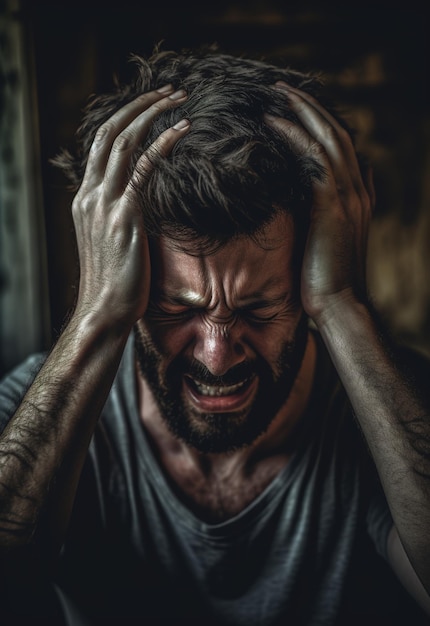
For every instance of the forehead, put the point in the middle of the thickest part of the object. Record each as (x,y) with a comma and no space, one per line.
(242,266)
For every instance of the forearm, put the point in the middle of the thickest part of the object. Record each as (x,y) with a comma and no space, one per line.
(395,423)
(44,445)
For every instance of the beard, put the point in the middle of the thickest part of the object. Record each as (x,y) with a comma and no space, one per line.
(220,432)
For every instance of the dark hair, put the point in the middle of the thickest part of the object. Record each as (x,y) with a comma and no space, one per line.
(231,173)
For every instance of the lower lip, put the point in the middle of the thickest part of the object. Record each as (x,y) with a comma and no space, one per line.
(222,404)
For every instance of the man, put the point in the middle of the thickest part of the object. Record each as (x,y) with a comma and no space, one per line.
(187,451)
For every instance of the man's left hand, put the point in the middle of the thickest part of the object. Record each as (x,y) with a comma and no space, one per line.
(334,264)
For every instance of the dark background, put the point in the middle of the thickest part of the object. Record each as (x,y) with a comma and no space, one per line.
(376,66)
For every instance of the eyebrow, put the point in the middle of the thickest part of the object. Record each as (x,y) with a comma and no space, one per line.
(258,302)
(184,297)
(260,298)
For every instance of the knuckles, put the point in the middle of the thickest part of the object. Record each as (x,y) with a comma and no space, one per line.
(328,134)
(124,141)
(83,204)
(102,133)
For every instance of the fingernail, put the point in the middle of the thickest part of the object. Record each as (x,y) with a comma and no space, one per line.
(178,94)
(281,85)
(165,89)
(181,124)
(270,120)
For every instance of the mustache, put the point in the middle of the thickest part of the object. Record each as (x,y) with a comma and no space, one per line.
(199,372)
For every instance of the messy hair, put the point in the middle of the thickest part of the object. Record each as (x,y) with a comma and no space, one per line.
(232,173)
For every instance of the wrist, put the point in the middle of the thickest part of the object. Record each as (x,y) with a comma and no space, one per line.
(338,309)
(88,335)
(92,321)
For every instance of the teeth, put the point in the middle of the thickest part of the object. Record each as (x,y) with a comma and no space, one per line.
(209,390)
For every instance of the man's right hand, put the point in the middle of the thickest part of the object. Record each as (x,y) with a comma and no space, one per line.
(43,447)
(112,244)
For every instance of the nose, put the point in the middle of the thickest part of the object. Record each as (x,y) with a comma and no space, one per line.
(218,347)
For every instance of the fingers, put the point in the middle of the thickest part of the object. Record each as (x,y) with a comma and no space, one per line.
(118,138)
(162,146)
(314,124)
(322,137)
(335,255)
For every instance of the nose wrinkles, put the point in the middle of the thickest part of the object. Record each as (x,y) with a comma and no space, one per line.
(218,346)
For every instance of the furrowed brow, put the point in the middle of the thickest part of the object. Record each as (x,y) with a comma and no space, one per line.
(183,297)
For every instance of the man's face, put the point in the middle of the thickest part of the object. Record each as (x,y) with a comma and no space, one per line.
(223,337)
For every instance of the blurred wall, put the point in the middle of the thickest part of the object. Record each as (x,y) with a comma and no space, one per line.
(24,304)
(376,66)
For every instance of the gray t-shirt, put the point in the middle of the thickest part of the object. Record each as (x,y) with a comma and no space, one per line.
(310,550)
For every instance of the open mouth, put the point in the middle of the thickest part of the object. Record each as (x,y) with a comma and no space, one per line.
(220,398)
(209,390)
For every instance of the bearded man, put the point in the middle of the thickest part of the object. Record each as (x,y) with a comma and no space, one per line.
(222,434)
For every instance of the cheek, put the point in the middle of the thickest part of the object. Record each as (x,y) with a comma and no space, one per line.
(269,339)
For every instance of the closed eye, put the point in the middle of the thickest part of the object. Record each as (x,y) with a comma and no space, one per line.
(175,313)
(260,314)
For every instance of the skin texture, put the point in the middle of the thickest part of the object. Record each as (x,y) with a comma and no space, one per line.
(396,425)
(232,317)
(44,445)
(42,449)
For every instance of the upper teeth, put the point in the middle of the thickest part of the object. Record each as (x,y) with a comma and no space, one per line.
(209,390)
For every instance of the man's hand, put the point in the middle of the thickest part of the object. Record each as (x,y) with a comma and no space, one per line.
(44,445)
(335,257)
(394,421)
(112,244)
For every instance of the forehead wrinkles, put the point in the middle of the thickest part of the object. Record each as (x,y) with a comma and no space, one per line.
(238,269)
(237,278)
(206,283)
